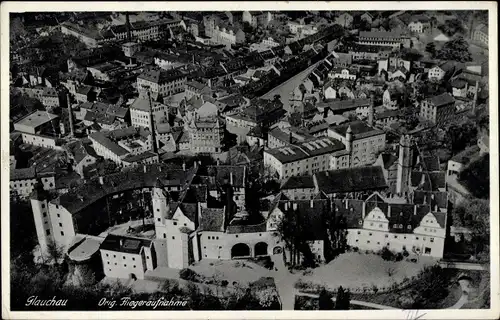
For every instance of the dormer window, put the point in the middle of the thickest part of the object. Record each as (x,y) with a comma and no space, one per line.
(409,226)
(395,226)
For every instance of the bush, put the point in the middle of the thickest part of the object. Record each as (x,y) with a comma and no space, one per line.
(387,254)
(399,256)
(405,253)
(224,283)
(355,249)
(188,274)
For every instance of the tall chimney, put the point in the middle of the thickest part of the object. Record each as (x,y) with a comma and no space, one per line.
(370,112)
(129,34)
(152,125)
(231,178)
(70,116)
(476,89)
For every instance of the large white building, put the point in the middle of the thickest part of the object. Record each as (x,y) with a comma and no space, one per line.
(140,113)
(161,83)
(307,157)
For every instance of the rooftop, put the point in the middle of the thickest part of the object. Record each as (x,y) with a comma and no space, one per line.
(351,180)
(124,244)
(307,149)
(442,100)
(37,119)
(360,130)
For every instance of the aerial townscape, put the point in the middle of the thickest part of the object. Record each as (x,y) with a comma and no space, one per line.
(249,160)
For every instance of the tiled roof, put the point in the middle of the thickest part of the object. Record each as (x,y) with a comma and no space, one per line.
(389,159)
(307,149)
(351,180)
(431,198)
(132,178)
(102,139)
(360,130)
(222,174)
(344,105)
(125,244)
(298,182)
(212,219)
(160,76)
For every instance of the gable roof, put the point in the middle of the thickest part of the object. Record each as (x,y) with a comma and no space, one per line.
(351,180)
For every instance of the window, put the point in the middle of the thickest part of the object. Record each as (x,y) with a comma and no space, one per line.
(58,215)
(43,205)
(133,266)
(409,226)
(114,256)
(175,223)
(125,265)
(47,232)
(380,225)
(62,233)
(116,264)
(60,224)
(173,237)
(359,232)
(164,236)
(368,241)
(107,255)
(124,257)
(371,224)
(108,262)
(370,234)
(416,238)
(395,236)
(45,214)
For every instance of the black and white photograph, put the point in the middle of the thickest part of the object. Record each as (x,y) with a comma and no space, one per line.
(277,160)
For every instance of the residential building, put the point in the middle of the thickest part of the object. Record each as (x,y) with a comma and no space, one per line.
(361,140)
(23,181)
(419,24)
(343,73)
(38,122)
(206,134)
(195,88)
(127,257)
(377,223)
(307,157)
(140,113)
(380,38)
(481,34)
(161,83)
(438,109)
(257,18)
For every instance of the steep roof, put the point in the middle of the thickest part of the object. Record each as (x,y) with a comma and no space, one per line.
(212,219)
(360,130)
(442,99)
(298,182)
(351,180)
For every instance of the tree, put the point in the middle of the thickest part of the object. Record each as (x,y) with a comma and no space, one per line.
(431,48)
(461,137)
(456,49)
(410,54)
(476,177)
(325,300)
(452,27)
(55,252)
(342,301)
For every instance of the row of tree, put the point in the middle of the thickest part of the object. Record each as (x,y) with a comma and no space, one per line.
(342,300)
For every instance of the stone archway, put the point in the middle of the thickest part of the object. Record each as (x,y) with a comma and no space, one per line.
(277,250)
(261,249)
(240,250)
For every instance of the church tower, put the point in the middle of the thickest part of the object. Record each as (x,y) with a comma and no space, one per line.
(160,200)
(404,165)
(39,199)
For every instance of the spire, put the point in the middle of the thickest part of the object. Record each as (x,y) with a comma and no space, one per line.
(158,183)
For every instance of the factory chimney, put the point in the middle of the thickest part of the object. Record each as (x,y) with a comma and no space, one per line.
(152,125)
(476,89)
(129,35)
(70,116)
